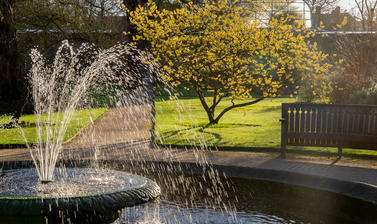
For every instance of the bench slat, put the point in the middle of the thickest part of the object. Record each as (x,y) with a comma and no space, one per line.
(329,125)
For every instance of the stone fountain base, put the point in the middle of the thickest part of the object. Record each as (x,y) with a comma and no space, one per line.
(75,196)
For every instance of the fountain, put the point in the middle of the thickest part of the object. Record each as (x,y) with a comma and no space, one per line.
(73,195)
(195,191)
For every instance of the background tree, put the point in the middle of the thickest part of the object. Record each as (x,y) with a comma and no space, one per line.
(367,13)
(12,88)
(47,23)
(25,24)
(316,7)
(358,52)
(336,20)
(288,13)
(219,49)
(131,5)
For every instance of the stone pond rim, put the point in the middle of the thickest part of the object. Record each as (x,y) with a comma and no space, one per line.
(92,208)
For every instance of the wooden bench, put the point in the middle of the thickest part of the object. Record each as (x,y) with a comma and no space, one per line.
(328,125)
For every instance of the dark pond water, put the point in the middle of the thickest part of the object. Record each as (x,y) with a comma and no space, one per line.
(199,199)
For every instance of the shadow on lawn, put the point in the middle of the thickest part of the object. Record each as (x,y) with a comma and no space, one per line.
(221,125)
(202,129)
(215,135)
(169,134)
(24,124)
(268,109)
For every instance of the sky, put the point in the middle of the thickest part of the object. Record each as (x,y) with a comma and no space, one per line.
(347,5)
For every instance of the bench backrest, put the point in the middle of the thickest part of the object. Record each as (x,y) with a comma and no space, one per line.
(351,126)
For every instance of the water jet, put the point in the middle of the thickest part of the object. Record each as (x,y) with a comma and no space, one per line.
(73,195)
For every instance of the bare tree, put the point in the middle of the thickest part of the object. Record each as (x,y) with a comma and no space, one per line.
(319,6)
(359,54)
(367,12)
(359,68)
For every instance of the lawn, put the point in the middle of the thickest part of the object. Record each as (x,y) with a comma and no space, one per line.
(80,119)
(182,123)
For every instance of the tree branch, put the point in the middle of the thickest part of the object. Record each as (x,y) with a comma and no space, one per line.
(235,106)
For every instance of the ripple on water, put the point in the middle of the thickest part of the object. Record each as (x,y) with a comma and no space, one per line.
(69,182)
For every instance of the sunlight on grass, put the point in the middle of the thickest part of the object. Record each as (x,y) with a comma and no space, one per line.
(80,119)
(179,122)
(183,123)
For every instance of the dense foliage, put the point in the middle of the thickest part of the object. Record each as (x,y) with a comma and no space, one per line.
(229,50)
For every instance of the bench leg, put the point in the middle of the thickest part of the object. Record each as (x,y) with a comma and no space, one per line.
(339,152)
(339,156)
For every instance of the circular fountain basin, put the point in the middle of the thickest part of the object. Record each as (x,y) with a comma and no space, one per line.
(76,195)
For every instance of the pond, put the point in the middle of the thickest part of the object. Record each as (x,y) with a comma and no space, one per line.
(247,201)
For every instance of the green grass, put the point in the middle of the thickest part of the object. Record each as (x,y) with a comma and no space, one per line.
(183,122)
(80,119)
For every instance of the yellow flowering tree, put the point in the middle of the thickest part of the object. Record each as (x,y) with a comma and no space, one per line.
(226,49)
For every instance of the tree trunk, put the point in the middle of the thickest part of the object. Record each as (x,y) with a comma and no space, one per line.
(12,86)
(209,111)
